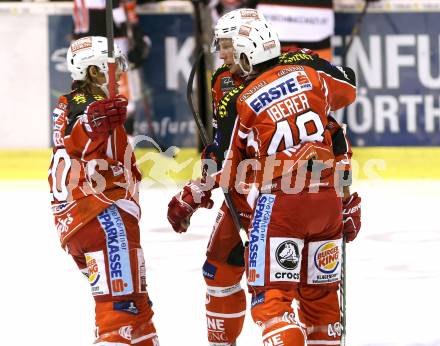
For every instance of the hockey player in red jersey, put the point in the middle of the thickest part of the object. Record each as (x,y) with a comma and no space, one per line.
(297,226)
(89,19)
(94,186)
(224,265)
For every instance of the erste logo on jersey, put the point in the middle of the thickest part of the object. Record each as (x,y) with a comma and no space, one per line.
(257,239)
(324,261)
(281,88)
(117,251)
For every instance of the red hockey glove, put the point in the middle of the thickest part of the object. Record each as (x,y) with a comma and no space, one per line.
(351,217)
(103,116)
(209,159)
(209,152)
(185,203)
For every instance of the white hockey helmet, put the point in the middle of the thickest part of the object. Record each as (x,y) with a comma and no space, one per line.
(91,51)
(229,24)
(258,41)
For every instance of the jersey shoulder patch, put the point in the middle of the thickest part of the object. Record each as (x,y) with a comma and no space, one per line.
(222,69)
(77,103)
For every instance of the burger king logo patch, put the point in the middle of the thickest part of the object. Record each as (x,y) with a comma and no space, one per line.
(96,273)
(324,261)
(327,257)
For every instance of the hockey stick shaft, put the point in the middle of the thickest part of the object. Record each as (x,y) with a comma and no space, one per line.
(110,48)
(205,139)
(343,293)
(343,283)
(202,86)
(145,98)
(202,131)
(355,31)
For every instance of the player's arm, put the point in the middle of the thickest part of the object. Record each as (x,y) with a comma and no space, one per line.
(340,85)
(194,195)
(342,151)
(197,194)
(216,92)
(59,122)
(216,87)
(339,82)
(226,114)
(351,203)
(88,133)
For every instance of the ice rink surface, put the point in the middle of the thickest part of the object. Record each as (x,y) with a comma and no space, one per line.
(393,276)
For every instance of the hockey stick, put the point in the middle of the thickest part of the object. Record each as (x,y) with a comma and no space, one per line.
(343,293)
(111,62)
(356,30)
(145,97)
(343,283)
(202,86)
(205,140)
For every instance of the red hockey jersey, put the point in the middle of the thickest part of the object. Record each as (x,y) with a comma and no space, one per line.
(87,176)
(287,105)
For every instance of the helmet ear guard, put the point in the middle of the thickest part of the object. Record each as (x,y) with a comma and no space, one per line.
(244,63)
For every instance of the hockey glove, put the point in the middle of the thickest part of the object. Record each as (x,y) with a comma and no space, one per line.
(351,217)
(209,160)
(185,203)
(103,116)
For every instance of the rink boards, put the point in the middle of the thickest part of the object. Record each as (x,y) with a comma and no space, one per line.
(369,163)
